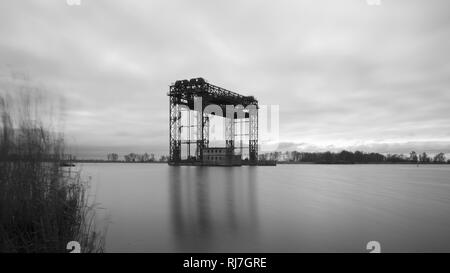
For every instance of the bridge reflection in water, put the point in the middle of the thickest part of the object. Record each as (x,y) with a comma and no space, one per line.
(214,209)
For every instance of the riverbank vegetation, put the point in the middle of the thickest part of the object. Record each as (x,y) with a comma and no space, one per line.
(346,157)
(43,205)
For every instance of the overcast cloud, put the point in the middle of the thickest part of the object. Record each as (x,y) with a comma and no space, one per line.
(345,74)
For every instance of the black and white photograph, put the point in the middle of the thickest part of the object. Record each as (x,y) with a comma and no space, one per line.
(215,127)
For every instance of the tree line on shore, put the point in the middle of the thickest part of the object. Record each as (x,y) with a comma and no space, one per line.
(354,157)
(134,157)
(343,157)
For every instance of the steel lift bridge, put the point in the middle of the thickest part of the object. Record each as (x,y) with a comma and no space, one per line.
(193,133)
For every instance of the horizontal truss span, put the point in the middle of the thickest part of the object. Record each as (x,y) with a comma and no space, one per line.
(185,91)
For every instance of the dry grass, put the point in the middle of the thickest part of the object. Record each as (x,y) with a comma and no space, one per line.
(43,205)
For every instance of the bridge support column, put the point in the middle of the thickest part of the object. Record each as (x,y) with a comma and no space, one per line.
(174,130)
(253,135)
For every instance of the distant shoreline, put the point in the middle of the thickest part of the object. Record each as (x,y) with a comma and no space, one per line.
(362,163)
(118,161)
(278,162)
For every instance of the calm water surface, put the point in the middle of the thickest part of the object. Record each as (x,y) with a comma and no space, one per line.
(287,208)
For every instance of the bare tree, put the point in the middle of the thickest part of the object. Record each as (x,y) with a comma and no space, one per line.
(413,156)
(439,158)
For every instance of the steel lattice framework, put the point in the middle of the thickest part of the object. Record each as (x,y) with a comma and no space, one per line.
(189,95)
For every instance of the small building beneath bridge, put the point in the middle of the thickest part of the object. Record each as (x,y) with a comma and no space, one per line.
(219,156)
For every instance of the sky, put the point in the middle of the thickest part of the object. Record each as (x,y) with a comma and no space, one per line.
(345,74)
